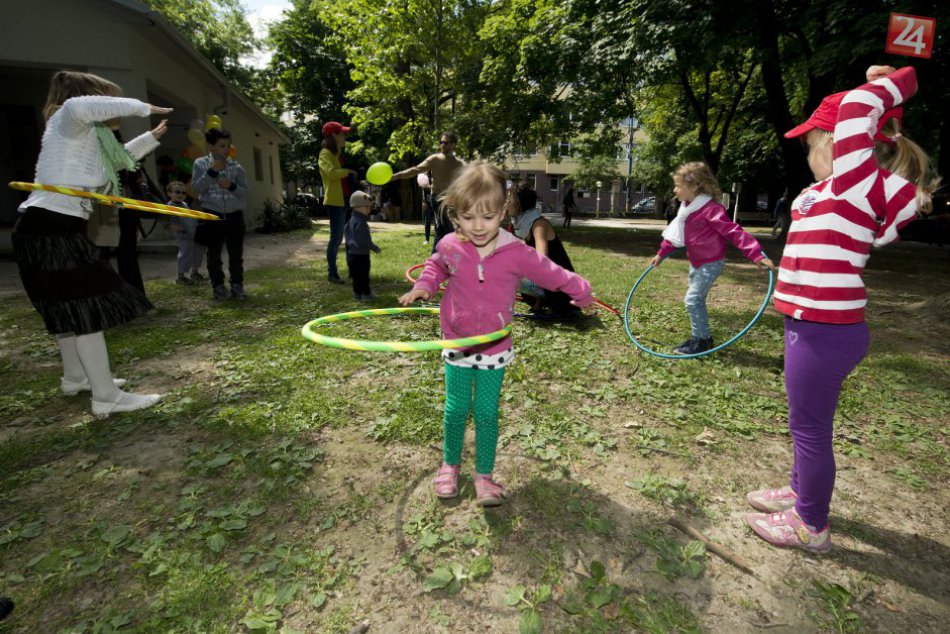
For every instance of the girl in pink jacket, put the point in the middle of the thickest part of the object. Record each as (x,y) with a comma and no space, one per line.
(482,266)
(702,226)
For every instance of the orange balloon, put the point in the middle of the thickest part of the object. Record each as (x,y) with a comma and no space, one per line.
(194,151)
(232,152)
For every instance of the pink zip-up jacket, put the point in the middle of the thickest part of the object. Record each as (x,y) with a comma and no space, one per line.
(480,295)
(707,230)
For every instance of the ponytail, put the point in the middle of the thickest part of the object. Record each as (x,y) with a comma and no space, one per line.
(908,160)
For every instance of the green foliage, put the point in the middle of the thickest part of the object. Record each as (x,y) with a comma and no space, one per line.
(675,561)
(837,602)
(671,491)
(283,217)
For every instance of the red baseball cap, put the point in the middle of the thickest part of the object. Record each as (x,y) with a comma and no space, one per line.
(826,114)
(333,127)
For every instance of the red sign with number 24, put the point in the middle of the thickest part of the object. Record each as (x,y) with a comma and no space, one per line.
(910,35)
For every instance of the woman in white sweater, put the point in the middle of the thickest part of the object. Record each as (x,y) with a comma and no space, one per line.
(77,295)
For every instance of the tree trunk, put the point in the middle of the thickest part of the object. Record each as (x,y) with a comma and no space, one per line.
(777,110)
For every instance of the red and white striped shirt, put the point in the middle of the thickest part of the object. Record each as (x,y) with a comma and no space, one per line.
(835,222)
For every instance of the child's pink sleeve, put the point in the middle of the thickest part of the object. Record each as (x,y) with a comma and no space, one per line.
(546,274)
(666,247)
(735,234)
(433,274)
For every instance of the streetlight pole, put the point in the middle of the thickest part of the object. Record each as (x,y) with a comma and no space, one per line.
(599,185)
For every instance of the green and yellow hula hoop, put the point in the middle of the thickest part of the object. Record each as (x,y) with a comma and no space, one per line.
(116,201)
(393,346)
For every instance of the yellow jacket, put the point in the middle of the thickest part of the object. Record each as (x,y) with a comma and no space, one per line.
(331,174)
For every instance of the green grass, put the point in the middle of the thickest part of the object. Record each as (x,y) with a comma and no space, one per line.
(252,496)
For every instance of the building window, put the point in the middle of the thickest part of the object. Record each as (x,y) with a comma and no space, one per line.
(258,165)
(555,181)
(514,177)
(583,193)
(532,180)
(270,165)
(564,148)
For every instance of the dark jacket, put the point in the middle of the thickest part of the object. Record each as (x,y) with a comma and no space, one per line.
(356,232)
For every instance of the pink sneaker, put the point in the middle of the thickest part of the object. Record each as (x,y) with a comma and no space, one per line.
(787,530)
(488,492)
(772,500)
(446,481)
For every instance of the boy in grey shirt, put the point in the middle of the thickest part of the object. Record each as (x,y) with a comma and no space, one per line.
(221,186)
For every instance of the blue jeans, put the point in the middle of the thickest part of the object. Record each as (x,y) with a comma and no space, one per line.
(337,220)
(700,281)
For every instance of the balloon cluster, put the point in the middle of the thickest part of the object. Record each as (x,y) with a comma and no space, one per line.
(196,138)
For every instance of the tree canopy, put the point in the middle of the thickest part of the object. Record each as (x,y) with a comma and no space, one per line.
(704,79)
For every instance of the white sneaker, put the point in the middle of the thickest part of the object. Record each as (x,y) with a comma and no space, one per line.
(125,402)
(72,388)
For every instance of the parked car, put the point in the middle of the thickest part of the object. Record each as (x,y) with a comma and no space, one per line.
(310,202)
(645,206)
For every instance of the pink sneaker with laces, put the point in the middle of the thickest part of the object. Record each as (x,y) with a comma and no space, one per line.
(772,500)
(488,492)
(446,481)
(787,530)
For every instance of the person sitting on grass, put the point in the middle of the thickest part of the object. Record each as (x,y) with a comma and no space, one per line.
(539,233)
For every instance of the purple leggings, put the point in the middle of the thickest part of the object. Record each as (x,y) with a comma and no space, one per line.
(818,358)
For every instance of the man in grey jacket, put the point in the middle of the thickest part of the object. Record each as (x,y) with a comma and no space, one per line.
(221,186)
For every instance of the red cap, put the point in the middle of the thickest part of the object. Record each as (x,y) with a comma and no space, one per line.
(826,114)
(332,127)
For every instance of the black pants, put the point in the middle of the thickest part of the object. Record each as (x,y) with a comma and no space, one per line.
(227,232)
(359,265)
(126,255)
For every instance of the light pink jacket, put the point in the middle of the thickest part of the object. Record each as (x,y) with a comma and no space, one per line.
(707,230)
(480,295)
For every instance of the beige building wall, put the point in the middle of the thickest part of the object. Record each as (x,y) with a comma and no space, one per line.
(115,39)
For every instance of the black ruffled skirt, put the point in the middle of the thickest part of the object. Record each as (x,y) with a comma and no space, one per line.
(71,288)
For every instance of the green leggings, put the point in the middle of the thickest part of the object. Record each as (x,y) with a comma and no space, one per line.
(459,384)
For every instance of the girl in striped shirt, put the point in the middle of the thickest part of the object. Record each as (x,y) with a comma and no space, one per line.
(872,180)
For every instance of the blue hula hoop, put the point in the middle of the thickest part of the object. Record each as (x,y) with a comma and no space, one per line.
(663,355)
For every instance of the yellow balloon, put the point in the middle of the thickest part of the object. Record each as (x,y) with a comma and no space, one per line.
(213,121)
(196,137)
(379,173)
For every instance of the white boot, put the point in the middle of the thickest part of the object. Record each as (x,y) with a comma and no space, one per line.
(74,378)
(107,398)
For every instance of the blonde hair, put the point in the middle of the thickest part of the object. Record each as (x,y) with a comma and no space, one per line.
(476,181)
(698,176)
(901,156)
(66,84)
(909,161)
(178,184)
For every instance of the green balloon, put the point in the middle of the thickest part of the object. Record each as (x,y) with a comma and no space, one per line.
(379,173)
(184,164)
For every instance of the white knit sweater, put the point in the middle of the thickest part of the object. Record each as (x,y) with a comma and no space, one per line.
(70,155)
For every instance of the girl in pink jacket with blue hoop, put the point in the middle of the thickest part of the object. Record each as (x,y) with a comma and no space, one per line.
(483,266)
(703,227)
